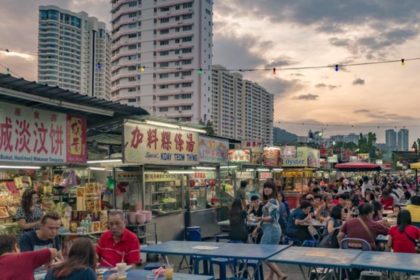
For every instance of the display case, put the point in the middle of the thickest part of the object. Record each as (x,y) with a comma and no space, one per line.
(164,192)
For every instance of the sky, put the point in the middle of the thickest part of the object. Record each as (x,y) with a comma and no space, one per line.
(289,34)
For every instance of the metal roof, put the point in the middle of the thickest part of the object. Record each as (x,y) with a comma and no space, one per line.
(36,95)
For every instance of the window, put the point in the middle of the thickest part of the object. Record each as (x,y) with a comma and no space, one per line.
(164,64)
(187,39)
(132,35)
(186,73)
(186,85)
(164,9)
(131,15)
(186,108)
(163,53)
(132,4)
(187,16)
(187,5)
(164,75)
(187,61)
(163,86)
(186,28)
(164,20)
(131,47)
(131,79)
(132,100)
(164,31)
(163,98)
(132,89)
(165,42)
(163,109)
(187,50)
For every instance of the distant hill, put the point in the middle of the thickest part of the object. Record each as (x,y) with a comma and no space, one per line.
(281,136)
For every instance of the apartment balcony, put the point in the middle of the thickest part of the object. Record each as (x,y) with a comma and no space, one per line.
(173,80)
(123,11)
(122,75)
(124,31)
(173,13)
(173,57)
(120,3)
(174,46)
(125,20)
(124,53)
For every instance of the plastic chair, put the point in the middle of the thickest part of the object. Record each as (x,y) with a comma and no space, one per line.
(355,243)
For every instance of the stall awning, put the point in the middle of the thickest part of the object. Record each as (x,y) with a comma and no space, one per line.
(415,165)
(102,115)
(357,166)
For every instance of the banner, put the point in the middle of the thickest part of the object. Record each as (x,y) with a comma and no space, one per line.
(239,156)
(305,157)
(147,144)
(272,157)
(40,136)
(212,150)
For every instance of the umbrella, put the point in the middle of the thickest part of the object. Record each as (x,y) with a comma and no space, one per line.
(358,166)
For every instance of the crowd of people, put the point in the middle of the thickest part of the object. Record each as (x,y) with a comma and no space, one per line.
(327,214)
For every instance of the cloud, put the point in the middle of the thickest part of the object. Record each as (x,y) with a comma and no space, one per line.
(307,97)
(361,111)
(322,85)
(281,61)
(359,81)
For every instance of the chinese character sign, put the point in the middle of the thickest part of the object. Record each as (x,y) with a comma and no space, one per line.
(32,135)
(147,144)
(239,156)
(76,139)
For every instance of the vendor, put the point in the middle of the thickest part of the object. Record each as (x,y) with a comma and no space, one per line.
(29,215)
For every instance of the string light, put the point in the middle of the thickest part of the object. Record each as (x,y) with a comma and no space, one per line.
(336,68)
(200,71)
(274,71)
(402,61)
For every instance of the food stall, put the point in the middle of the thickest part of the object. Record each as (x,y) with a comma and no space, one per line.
(298,166)
(206,196)
(43,145)
(164,154)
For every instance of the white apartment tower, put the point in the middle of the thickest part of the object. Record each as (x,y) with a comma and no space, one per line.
(74,52)
(161,56)
(242,109)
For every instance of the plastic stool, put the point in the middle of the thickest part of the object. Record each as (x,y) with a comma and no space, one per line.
(195,264)
(256,266)
(222,263)
(220,236)
(370,275)
(193,233)
(153,265)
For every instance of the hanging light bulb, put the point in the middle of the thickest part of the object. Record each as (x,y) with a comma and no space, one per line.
(402,61)
(142,68)
(337,68)
(200,71)
(274,71)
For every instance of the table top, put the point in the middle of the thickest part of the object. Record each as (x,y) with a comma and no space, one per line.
(409,263)
(216,250)
(322,257)
(80,234)
(136,274)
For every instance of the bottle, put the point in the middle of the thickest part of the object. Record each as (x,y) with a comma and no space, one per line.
(88,223)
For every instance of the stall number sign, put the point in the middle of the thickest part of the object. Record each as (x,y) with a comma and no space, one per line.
(146,144)
(39,136)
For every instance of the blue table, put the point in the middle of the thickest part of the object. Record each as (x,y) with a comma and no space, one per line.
(317,257)
(216,249)
(137,274)
(386,261)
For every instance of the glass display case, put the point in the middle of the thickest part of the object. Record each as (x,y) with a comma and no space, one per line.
(164,192)
(203,190)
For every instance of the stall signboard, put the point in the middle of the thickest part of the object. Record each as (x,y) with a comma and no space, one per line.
(39,136)
(288,152)
(148,144)
(211,150)
(252,145)
(272,157)
(305,157)
(240,156)
(262,176)
(332,159)
(245,175)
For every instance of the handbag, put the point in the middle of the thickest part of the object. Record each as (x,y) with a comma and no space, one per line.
(416,242)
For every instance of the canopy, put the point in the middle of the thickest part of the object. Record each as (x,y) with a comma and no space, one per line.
(415,165)
(358,166)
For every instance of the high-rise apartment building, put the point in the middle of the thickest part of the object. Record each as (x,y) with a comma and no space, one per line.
(390,138)
(242,109)
(161,56)
(74,52)
(403,139)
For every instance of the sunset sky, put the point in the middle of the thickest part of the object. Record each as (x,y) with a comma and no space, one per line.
(289,33)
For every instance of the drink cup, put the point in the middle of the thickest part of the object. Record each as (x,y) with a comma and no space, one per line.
(121,268)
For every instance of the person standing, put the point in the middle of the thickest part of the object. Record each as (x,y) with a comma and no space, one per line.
(270,224)
(238,215)
(241,193)
(29,214)
(15,265)
(118,244)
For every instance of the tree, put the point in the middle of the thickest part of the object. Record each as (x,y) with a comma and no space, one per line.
(209,128)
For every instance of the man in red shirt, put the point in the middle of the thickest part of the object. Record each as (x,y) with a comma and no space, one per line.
(363,227)
(21,266)
(118,244)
